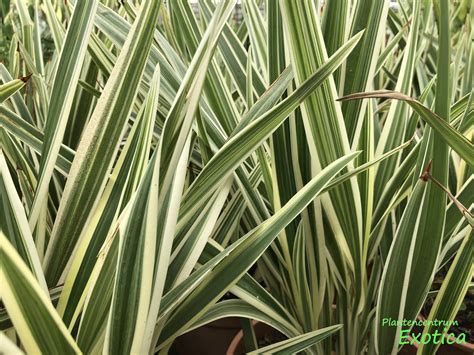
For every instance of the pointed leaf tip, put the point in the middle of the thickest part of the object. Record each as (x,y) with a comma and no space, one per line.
(26,78)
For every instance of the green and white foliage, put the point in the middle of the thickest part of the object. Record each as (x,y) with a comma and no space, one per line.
(312,158)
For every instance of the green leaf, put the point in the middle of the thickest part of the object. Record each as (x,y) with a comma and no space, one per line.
(122,184)
(239,308)
(62,95)
(325,133)
(359,75)
(99,143)
(16,98)
(33,138)
(145,244)
(39,327)
(299,343)
(243,143)
(398,271)
(452,292)
(15,224)
(11,87)
(241,255)
(453,138)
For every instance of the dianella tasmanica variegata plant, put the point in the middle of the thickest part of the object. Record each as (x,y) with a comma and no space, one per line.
(152,152)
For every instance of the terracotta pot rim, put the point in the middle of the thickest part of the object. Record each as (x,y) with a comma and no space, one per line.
(464,346)
(237,339)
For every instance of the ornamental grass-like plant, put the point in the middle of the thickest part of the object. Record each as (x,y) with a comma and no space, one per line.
(312,158)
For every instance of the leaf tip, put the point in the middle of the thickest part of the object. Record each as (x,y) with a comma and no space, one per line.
(425,175)
(26,78)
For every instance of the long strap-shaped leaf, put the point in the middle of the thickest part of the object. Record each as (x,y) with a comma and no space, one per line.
(326,133)
(242,144)
(393,131)
(11,87)
(240,308)
(418,239)
(145,246)
(16,99)
(134,274)
(100,141)
(62,95)
(359,75)
(247,289)
(38,325)
(452,292)
(215,90)
(235,57)
(453,138)
(124,179)
(241,255)
(265,102)
(16,224)
(299,343)
(392,300)
(33,138)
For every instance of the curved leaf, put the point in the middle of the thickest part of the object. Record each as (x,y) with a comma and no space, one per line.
(453,138)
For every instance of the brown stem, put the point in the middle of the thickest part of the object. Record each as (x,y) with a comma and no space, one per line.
(425,176)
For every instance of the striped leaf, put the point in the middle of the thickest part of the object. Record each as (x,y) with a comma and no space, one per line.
(452,292)
(228,271)
(38,325)
(299,343)
(99,143)
(14,224)
(459,143)
(11,87)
